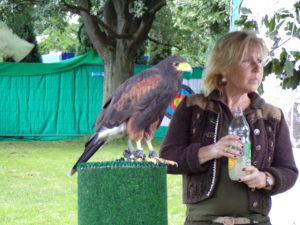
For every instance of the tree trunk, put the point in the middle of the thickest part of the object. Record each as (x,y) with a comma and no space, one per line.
(117,69)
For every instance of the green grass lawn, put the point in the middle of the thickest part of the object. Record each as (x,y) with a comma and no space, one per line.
(35,188)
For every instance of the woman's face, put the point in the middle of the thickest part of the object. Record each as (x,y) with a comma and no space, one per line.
(246,75)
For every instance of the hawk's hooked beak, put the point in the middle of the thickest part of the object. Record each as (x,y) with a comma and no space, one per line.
(185,67)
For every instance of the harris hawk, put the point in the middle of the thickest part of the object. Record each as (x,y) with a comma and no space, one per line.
(137,108)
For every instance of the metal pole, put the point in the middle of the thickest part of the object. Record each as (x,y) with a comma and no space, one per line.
(234,13)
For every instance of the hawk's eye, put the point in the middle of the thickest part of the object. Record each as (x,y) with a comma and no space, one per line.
(176,64)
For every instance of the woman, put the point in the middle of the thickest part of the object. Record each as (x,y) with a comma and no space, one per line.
(198,139)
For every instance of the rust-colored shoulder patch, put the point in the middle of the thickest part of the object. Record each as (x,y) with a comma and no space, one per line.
(147,84)
(136,91)
(201,101)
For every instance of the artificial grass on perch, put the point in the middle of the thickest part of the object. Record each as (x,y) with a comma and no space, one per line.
(122,193)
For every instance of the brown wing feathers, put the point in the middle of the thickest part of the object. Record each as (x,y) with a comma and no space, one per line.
(138,90)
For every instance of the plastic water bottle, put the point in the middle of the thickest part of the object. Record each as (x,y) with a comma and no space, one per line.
(240,127)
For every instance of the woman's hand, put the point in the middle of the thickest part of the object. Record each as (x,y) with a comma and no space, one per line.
(256,179)
(221,149)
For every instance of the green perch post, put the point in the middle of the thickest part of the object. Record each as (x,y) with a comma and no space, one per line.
(122,193)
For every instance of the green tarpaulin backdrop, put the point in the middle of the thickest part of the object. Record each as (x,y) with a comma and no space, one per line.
(53,100)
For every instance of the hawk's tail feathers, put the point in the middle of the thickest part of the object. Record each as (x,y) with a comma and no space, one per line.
(92,145)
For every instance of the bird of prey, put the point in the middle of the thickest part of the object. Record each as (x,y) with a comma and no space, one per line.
(137,108)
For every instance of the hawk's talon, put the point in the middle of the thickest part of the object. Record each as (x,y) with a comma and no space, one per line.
(128,155)
(139,154)
(152,154)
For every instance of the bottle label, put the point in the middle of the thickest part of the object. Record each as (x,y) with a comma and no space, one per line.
(247,151)
(231,163)
(247,157)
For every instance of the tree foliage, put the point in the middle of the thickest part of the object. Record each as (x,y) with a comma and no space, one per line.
(200,24)
(63,39)
(280,28)
(19,17)
(189,28)
(83,43)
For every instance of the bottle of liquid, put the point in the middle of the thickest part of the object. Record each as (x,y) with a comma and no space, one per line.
(240,127)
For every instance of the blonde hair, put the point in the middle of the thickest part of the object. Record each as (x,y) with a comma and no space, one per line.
(229,49)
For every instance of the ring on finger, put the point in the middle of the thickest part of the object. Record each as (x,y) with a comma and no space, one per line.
(225,150)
